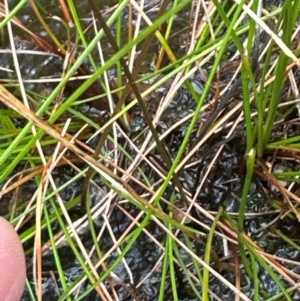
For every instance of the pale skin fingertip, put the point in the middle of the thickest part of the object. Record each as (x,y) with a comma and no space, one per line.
(12,263)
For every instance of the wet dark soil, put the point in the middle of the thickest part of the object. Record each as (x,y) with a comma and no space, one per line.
(222,188)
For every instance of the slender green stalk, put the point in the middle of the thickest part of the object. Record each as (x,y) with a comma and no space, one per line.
(196,265)
(250,162)
(255,277)
(208,250)
(272,274)
(171,265)
(186,272)
(30,291)
(164,273)
(247,103)
(55,252)
(289,241)
(12,13)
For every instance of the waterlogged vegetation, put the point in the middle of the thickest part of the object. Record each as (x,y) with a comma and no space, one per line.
(150,150)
